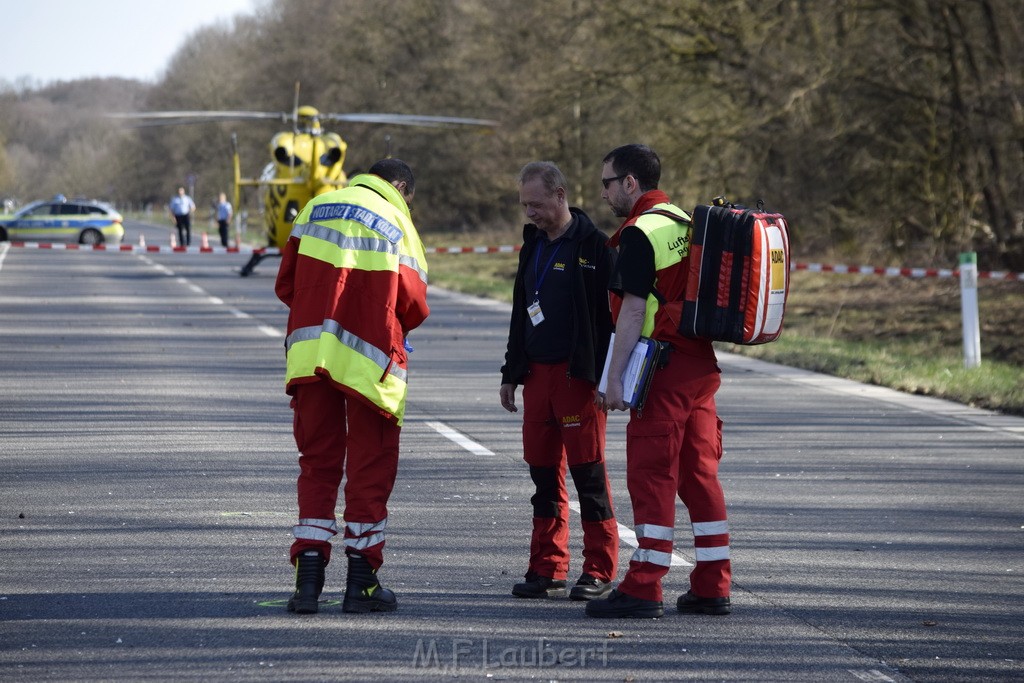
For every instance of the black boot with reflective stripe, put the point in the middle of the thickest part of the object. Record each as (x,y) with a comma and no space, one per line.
(363,592)
(309,582)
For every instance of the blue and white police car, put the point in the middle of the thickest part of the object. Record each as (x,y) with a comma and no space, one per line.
(64,220)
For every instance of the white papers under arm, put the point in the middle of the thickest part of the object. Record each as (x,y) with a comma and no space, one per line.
(632,378)
(636,375)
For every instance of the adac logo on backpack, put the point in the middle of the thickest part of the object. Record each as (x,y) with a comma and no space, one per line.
(738,274)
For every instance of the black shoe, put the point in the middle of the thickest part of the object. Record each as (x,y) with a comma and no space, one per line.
(537,586)
(363,592)
(309,581)
(693,604)
(621,605)
(588,588)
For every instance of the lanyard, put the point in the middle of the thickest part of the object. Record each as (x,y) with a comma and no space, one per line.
(540,275)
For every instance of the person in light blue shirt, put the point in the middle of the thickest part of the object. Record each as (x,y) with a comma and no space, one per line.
(224,212)
(182,207)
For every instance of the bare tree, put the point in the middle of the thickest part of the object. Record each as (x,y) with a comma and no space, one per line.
(889,130)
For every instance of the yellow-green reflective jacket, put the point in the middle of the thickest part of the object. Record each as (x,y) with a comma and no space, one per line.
(354,276)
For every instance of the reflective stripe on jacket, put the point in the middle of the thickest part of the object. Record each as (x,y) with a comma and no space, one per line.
(354,276)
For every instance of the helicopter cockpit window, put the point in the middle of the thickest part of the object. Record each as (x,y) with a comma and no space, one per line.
(330,157)
(291,212)
(282,157)
(308,125)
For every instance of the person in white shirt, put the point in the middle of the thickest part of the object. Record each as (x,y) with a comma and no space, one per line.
(182,208)
(224,212)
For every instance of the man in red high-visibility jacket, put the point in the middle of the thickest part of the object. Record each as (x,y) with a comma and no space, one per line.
(354,276)
(673,446)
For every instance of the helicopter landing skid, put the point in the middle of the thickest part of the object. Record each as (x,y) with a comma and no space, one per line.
(257,256)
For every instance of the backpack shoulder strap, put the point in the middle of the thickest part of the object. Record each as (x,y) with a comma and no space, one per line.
(662,212)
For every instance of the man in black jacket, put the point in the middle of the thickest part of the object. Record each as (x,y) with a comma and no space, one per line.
(557,343)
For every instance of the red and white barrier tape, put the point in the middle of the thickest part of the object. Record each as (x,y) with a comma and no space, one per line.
(841,269)
(141,248)
(809,267)
(503,249)
(902,272)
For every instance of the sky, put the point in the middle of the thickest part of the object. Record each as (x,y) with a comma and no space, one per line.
(63,40)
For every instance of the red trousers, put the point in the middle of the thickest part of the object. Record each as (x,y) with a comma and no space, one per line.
(562,426)
(341,436)
(673,448)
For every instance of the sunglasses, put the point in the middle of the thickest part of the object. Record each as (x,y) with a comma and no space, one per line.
(608,181)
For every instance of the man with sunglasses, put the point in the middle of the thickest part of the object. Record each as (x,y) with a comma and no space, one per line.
(557,344)
(674,444)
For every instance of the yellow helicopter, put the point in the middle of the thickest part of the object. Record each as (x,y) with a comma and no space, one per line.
(305,162)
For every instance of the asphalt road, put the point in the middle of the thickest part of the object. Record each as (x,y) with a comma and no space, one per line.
(147,476)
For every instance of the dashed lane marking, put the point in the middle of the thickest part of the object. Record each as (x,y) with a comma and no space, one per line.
(871,675)
(460,439)
(215,300)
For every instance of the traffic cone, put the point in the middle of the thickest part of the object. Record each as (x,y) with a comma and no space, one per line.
(206,241)
(174,241)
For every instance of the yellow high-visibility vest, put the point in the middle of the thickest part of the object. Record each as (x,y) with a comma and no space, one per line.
(670,240)
(349,236)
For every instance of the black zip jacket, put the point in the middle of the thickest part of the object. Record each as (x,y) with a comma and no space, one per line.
(591,317)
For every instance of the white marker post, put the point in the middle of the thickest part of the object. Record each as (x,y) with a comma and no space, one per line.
(969,309)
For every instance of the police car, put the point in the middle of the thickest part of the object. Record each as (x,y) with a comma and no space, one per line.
(63,220)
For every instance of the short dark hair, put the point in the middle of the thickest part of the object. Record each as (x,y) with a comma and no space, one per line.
(393,170)
(636,160)
(550,175)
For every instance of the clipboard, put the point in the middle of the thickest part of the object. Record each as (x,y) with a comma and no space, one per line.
(643,360)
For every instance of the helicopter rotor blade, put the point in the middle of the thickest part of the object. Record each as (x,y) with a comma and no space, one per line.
(409,120)
(177,118)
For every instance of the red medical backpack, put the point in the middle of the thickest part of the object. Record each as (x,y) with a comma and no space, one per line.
(739,275)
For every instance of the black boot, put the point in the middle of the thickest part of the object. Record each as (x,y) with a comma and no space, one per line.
(363,592)
(589,588)
(537,586)
(621,605)
(309,581)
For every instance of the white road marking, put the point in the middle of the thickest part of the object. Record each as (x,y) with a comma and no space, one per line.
(158,266)
(459,438)
(216,301)
(626,535)
(870,675)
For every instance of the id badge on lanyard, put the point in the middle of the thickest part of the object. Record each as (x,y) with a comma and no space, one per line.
(536,315)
